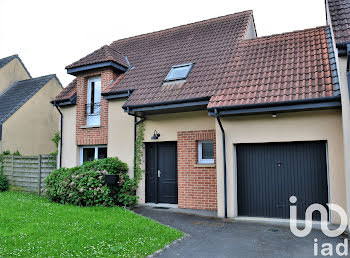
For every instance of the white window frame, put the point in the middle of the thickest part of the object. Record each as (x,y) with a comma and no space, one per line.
(169,79)
(95,120)
(90,147)
(200,159)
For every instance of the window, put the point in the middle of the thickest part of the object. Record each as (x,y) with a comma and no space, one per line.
(93,103)
(178,72)
(90,153)
(206,152)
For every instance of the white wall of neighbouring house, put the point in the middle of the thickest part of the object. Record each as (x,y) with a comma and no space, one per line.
(70,151)
(346,124)
(286,127)
(341,67)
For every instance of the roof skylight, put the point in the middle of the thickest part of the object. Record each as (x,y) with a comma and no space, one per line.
(178,72)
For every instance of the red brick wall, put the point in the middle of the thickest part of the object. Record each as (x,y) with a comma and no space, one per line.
(92,136)
(196,185)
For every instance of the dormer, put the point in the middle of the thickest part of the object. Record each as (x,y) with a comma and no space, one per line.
(94,73)
(103,58)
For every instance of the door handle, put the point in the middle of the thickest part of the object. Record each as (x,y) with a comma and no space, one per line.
(159,173)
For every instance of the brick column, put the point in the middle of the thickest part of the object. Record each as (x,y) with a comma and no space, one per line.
(196,184)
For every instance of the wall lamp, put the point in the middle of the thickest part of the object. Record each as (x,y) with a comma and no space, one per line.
(155,135)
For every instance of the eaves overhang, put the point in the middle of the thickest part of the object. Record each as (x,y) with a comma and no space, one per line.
(187,105)
(65,102)
(121,94)
(85,68)
(333,102)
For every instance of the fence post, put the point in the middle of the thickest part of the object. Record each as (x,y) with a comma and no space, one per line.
(39,174)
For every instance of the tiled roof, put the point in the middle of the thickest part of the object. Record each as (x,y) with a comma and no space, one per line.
(68,92)
(19,93)
(279,68)
(103,54)
(340,17)
(208,44)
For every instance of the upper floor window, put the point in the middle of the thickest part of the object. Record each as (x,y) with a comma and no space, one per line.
(93,103)
(178,72)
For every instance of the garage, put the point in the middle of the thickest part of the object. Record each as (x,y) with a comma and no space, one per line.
(269,173)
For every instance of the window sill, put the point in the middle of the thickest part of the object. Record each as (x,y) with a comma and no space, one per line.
(204,165)
(90,126)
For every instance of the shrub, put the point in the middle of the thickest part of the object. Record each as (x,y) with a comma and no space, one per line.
(85,186)
(4,183)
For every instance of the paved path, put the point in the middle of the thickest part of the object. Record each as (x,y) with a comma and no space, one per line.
(212,237)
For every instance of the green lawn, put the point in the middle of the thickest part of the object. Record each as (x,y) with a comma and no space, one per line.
(34,226)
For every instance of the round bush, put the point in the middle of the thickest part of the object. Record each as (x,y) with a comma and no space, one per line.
(85,185)
(4,183)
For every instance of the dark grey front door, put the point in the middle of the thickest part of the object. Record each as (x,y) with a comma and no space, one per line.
(161,172)
(269,173)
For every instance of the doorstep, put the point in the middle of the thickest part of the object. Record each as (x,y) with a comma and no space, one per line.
(174,208)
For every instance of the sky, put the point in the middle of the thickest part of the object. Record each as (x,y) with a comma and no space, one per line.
(51,34)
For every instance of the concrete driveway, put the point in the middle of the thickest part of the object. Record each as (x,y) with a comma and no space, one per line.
(212,237)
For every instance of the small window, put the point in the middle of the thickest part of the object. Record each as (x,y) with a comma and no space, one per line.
(90,153)
(206,152)
(178,72)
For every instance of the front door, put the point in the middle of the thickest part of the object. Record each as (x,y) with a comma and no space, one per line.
(161,172)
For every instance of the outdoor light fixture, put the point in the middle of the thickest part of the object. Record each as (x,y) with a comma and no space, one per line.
(155,135)
(274,115)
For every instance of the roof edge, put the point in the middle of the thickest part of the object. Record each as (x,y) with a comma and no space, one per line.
(98,65)
(183,25)
(64,102)
(275,104)
(154,104)
(280,109)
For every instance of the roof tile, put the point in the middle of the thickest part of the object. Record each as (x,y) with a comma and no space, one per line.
(292,66)
(340,17)
(103,54)
(67,92)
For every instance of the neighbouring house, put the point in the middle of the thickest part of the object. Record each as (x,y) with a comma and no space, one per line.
(338,19)
(233,122)
(27,120)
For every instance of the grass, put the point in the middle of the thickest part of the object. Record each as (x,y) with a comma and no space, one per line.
(33,226)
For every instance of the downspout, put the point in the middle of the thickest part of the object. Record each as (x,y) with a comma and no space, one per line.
(217,115)
(135,132)
(61,132)
(348,67)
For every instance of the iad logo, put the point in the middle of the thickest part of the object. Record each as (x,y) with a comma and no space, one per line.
(327,248)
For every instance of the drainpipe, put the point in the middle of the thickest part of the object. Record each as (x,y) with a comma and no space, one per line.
(135,129)
(348,67)
(61,132)
(217,115)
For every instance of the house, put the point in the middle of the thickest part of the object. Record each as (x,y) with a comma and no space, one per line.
(233,122)
(338,19)
(27,120)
